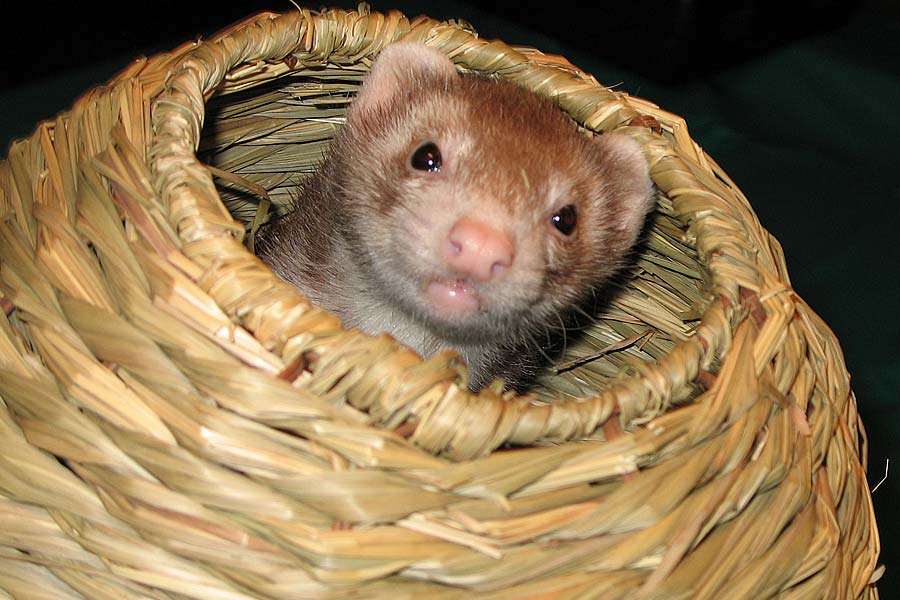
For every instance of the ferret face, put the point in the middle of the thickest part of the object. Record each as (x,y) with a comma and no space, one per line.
(478,209)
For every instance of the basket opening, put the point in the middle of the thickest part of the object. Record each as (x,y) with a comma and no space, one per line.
(275,134)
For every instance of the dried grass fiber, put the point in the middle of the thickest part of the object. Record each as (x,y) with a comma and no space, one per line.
(177,423)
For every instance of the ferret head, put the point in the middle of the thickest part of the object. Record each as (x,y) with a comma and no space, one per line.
(476,206)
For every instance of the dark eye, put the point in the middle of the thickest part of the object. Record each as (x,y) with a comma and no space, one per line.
(426,158)
(565,219)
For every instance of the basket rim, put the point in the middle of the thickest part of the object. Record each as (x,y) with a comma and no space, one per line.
(282,41)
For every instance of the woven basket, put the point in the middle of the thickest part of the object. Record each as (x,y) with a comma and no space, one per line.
(178,423)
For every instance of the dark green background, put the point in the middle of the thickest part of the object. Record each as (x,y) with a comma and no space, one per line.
(809,129)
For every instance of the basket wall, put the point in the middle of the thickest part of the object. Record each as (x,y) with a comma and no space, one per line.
(176,422)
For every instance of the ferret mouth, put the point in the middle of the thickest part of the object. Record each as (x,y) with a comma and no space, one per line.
(452,297)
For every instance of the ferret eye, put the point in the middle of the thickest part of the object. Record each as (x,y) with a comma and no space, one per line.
(426,158)
(565,219)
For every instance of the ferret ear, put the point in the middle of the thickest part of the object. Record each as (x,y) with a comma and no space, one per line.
(399,66)
(628,179)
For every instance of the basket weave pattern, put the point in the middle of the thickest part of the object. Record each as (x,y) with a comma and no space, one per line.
(176,422)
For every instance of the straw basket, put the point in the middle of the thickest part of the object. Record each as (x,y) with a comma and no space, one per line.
(177,423)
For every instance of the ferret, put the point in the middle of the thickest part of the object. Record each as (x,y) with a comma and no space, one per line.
(461,212)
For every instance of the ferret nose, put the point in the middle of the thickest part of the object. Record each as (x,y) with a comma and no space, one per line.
(477,250)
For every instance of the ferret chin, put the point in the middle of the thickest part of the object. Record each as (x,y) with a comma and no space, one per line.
(461,212)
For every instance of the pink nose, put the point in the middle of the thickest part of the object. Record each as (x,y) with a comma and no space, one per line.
(476,250)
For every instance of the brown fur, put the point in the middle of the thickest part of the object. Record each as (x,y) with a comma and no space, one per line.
(366,230)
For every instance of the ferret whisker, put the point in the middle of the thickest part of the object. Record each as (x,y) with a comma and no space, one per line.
(540,348)
(584,313)
(551,327)
(547,334)
(565,339)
